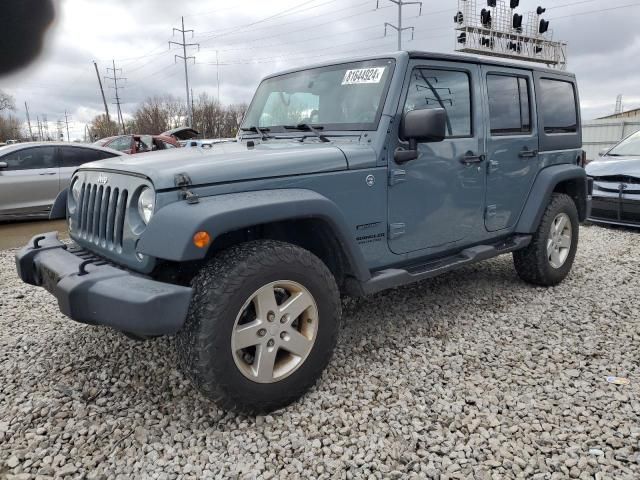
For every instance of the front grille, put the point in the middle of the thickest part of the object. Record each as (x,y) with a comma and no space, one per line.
(101,215)
(618,179)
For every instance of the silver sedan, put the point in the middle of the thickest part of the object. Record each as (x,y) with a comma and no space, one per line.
(32,175)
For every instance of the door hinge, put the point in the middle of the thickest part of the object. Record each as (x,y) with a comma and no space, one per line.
(491,211)
(396,230)
(397,176)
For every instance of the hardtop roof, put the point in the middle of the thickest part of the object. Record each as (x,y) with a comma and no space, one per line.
(452,57)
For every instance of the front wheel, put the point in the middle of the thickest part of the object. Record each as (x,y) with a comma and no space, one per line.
(547,260)
(262,326)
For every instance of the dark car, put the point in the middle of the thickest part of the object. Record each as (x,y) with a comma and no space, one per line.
(32,175)
(135,143)
(616,184)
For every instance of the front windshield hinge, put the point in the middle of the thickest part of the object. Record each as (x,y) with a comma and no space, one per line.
(182,181)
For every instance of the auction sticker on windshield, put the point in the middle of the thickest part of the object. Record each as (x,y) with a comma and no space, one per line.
(363,75)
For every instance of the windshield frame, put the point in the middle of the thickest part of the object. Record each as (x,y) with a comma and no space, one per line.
(634,137)
(327,127)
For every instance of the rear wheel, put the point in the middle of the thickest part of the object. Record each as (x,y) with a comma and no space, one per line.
(549,257)
(262,326)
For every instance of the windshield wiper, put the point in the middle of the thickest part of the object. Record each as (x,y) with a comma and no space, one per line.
(262,131)
(305,127)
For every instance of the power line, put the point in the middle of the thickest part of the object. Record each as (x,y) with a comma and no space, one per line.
(185,58)
(283,13)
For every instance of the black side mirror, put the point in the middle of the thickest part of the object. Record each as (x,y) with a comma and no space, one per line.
(3,165)
(421,125)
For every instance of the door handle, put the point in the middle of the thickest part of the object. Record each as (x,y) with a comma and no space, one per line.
(48,173)
(526,153)
(470,158)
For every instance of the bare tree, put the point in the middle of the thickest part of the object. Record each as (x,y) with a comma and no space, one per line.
(101,128)
(7,101)
(11,128)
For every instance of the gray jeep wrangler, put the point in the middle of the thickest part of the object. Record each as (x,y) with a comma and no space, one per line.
(347,178)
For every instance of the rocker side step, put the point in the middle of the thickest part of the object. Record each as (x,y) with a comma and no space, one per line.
(396,277)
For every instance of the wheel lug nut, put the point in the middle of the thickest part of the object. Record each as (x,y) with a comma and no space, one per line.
(271,316)
(262,332)
(284,319)
(283,335)
(270,343)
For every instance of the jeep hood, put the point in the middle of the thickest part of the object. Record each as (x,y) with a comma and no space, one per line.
(231,162)
(614,166)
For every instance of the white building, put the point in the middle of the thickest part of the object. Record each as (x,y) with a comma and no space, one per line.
(606,131)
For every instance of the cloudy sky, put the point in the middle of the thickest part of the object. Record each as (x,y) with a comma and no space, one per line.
(255,37)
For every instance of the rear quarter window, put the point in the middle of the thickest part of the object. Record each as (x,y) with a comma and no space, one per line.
(558,115)
(558,106)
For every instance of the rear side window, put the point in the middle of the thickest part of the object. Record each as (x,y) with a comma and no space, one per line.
(31,158)
(76,156)
(558,106)
(448,89)
(509,110)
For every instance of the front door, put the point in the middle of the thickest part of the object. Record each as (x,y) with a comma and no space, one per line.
(512,144)
(29,182)
(436,201)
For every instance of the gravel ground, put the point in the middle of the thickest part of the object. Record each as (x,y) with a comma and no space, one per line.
(470,375)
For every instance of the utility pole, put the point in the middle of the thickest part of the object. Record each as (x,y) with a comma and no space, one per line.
(116,88)
(39,128)
(26,107)
(184,57)
(66,121)
(104,99)
(399,28)
(45,128)
(60,135)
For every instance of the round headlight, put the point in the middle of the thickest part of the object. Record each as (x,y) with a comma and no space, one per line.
(146,204)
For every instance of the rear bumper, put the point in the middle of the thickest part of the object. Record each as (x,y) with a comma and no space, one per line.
(100,293)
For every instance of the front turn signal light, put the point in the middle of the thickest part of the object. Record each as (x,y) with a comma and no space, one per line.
(201,239)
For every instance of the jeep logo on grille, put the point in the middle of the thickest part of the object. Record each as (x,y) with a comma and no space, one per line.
(103,179)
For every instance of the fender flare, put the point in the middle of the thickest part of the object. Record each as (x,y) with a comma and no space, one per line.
(170,232)
(59,208)
(543,187)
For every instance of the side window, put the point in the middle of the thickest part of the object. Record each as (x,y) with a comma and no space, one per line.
(76,156)
(121,144)
(28,158)
(558,106)
(448,89)
(509,111)
(168,145)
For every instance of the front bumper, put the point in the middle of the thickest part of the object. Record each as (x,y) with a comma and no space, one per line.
(92,291)
(615,208)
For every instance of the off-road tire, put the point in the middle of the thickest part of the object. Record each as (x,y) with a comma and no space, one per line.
(532,262)
(220,289)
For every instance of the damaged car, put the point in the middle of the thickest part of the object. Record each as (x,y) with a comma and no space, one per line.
(616,184)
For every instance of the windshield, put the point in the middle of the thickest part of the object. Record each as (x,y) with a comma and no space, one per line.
(337,97)
(629,146)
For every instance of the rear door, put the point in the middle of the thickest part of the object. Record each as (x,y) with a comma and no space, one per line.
(512,144)
(29,183)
